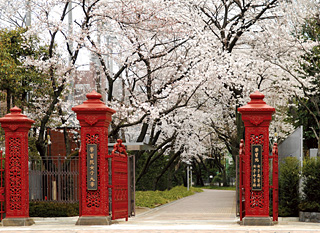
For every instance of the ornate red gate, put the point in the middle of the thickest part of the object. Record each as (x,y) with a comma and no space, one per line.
(254,163)
(275,183)
(16,127)
(94,117)
(241,178)
(119,184)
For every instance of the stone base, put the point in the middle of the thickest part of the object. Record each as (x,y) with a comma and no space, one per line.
(309,217)
(85,220)
(17,222)
(257,221)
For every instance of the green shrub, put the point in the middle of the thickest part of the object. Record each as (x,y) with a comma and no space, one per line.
(311,183)
(289,187)
(53,209)
(217,178)
(153,199)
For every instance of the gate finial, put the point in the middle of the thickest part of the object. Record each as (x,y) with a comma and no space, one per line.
(119,147)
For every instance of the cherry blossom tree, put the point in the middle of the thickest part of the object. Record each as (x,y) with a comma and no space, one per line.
(180,69)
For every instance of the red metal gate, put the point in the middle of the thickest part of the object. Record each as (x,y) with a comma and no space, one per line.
(119,181)
(2,182)
(275,182)
(241,179)
(274,187)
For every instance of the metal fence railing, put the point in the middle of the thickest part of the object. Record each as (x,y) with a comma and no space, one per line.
(54,178)
(2,185)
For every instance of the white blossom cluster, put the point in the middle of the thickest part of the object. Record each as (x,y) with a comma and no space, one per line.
(180,72)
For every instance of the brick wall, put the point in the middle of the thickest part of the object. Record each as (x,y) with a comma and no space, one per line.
(58,146)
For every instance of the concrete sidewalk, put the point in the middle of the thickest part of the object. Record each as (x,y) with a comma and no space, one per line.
(210,211)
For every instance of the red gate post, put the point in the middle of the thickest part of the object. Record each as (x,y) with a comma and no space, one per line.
(241,186)
(94,117)
(16,127)
(256,116)
(275,182)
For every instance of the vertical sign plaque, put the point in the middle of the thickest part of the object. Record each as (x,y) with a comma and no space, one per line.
(256,167)
(92,167)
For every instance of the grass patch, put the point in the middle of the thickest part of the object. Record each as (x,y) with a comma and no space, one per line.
(219,188)
(152,199)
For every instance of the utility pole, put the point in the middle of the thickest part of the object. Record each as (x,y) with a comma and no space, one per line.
(188,177)
(191,176)
(28,14)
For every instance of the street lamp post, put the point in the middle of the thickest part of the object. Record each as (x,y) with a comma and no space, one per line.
(191,176)
(188,177)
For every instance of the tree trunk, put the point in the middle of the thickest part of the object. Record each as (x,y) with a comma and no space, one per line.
(198,172)
(224,177)
(170,162)
(318,153)
(65,133)
(143,132)
(8,100)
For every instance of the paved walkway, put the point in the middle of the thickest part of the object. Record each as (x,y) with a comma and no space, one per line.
(210,211)
(210,206)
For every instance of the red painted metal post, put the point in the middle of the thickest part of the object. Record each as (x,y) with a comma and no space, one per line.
(256,116)
(275,182)
(16,127)
(241,186)
(2,189)
(94,117)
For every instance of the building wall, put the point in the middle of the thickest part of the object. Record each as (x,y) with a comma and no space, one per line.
(85,81)
(58,146)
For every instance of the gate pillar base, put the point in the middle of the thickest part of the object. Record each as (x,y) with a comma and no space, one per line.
(17,222)
(92,220)
(257,221)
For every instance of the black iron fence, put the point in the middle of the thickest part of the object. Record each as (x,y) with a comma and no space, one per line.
(54,178)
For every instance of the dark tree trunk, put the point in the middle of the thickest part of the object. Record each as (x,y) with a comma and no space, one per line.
(8,100)
(170,162)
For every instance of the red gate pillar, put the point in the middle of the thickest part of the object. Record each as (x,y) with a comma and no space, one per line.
(94,117)
(256,116)
(16,127)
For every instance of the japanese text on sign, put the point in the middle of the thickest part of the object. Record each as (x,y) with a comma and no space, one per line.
(92,167)
(256,167)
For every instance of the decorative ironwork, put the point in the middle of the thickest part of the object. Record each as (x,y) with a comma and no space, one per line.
(256,139)
(16,127)
(256,116)
(119,181)
(257,199)
(275,183)
(256,120)
(15,176)
(241,179)
(94,117)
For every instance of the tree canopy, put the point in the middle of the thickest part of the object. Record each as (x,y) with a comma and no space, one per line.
(17,81)
(175,71)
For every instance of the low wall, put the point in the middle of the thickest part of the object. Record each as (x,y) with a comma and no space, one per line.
(309,216)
